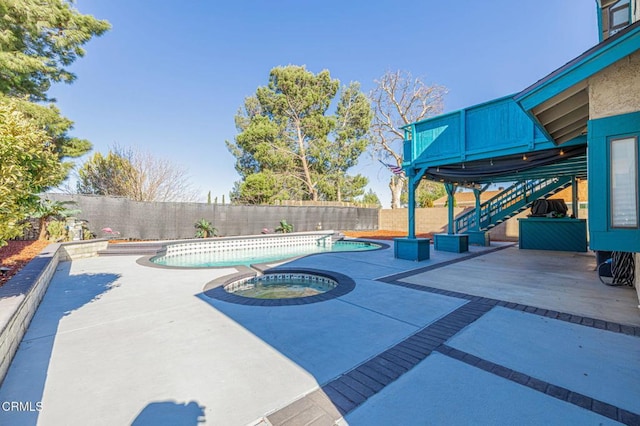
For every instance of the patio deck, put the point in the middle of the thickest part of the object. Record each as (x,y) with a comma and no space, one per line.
(497,335)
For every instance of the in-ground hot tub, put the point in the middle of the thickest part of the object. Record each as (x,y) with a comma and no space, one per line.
(281,287)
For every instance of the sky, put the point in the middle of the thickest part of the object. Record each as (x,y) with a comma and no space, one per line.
(170,75)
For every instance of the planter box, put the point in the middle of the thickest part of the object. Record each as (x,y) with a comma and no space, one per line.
(479,238)
(561,234)
(455,243)
(412,248)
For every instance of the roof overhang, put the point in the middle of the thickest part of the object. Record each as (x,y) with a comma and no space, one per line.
(560,101)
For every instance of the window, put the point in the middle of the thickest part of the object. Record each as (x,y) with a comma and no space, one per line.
(619,16)
(624,183)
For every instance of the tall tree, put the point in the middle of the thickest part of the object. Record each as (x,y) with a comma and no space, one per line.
(426,193)
(39,40)
(106,175)
(288,141)
(136,175)
(371,198)
(28,165)
(49,118)
(397,100)
(350,139)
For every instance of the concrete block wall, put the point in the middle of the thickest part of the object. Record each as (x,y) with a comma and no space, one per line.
(81,249)
(21,295)
(434,220)
(19,299)
(428,220)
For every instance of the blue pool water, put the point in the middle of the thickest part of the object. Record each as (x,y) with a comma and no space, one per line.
(251,256)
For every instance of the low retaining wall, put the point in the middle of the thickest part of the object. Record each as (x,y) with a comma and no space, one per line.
(21,295)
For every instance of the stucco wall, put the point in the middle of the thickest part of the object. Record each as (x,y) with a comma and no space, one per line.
(615,89)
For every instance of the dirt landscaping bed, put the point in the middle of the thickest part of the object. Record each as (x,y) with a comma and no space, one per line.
(17,254)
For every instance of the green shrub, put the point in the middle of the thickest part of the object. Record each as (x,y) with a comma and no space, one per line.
(284,227)
(205,229)
(57,231)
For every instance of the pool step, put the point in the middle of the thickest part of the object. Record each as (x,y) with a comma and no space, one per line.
(131,249)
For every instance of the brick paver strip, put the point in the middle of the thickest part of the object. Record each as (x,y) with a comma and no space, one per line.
(354,387)
(558,392)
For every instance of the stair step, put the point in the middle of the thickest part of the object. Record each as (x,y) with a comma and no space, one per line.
(126,252)
(130,249)
(502,202)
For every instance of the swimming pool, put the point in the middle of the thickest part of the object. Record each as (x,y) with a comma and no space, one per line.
(248,251)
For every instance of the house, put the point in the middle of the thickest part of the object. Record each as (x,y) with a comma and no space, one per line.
(580,122)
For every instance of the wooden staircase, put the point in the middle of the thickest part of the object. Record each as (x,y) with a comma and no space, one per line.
(513,200)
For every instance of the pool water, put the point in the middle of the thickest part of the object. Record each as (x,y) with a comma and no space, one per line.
(259,255)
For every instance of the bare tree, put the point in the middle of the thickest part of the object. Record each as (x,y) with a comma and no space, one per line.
(158,179)
(397,100)
(140,177)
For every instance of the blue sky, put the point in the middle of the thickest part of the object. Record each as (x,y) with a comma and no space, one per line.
(170,75)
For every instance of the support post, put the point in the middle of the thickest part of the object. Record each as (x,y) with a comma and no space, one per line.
(476,194)
(451,190)
(412,210)
(574,196)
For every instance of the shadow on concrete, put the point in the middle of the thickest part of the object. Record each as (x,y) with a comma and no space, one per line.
(330,338)
(170,413)
(26,378)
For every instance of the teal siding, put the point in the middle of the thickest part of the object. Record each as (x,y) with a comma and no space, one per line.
(499,127)
(580,69)
(438,138)
(602,235)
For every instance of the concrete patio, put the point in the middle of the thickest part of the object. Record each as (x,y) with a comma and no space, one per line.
(495,336)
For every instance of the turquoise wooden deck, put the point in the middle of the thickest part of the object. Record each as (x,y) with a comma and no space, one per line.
(538,136)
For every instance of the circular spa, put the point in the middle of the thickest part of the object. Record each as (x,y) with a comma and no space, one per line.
(282,287)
